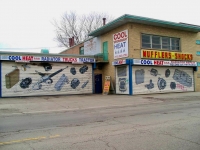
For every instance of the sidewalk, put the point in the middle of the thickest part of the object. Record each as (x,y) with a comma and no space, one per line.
(45,104)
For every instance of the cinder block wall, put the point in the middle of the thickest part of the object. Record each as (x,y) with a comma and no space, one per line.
(73,50)
(188,44)
(197,58)
(108,69)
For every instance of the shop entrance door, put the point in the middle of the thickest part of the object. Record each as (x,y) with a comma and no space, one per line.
(98,83)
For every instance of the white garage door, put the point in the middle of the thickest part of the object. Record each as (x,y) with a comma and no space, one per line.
(122,79)
(45,79)
(153,79)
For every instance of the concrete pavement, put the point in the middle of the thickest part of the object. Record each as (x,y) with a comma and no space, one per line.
(45,104)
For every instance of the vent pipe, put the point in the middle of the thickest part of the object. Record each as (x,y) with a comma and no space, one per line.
(104,21)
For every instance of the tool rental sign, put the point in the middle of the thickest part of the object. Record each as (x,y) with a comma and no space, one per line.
(120,44)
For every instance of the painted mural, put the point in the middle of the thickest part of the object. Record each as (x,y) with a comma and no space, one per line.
(26,79)
(122,80)
(92,46)
(153,79)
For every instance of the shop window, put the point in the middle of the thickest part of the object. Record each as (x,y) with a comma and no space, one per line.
(160,42)
(81,50)
(156,42)
(165,43)
(146,41)
(174,44)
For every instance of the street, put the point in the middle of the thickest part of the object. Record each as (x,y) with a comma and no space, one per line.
(169,124)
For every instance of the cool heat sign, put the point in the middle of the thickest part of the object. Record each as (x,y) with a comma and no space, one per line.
(120,44)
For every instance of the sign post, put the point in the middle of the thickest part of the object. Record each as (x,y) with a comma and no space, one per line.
(108,86)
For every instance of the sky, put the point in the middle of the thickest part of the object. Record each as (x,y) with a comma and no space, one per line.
(26,25)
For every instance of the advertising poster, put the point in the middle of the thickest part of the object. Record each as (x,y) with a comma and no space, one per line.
(120,44)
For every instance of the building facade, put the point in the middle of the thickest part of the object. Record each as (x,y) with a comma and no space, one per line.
(144,55)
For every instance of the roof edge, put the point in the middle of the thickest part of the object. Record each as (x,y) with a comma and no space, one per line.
(144,20)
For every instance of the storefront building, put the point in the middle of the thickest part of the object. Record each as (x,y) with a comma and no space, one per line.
(147,55)
(36,74)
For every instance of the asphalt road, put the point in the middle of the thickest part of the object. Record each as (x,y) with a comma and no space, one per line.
(171,125)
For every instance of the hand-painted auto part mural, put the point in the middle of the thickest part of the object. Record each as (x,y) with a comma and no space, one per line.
(73,70)
(85,84)
(63,80)
(25,83)
(161,83)
(83,69)
(139,76)
(182,77)
(161,79)
(36,78)
(12,77)
(122,80)
(150,85)
(122,84)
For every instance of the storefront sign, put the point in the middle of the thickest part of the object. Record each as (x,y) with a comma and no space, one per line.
(106,87)
(143,62)
(198,53)
(198,42)
(120,44)
(119,62)
(151,54)
(163,62)
(45,58)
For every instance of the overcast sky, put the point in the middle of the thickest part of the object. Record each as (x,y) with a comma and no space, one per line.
(26,24)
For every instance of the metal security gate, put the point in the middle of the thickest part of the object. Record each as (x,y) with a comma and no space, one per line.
(122,79)
(42,78)
(154,79)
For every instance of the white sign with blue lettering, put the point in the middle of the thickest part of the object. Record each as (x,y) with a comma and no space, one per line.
(46,58)
(119,62)
(143,62)
(163,62)
(120,44)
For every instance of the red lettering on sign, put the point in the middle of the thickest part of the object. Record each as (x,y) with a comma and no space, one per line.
(158,62)
(29,58)
(70,59)
(120,35)
(144,53)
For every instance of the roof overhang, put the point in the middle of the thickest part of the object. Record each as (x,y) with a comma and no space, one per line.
(143,20)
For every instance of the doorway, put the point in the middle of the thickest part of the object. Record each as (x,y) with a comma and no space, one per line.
(98,83)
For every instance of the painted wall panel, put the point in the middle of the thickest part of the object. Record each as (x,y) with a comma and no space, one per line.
(92,46)
(122,79)
(153,79)
(19,79)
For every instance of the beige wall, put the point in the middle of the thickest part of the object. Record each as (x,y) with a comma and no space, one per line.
(197,58)
(188,44)
(109,69)
(73,50)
